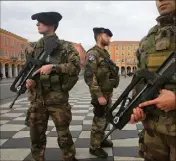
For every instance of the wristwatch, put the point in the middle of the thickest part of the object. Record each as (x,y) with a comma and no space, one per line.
(54,67)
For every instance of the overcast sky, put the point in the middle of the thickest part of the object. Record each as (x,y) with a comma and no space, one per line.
(128,20)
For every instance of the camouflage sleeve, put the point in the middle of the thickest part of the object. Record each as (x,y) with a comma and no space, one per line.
(72,67)
(91,67)
(28,51)
(141,64)
(141,55)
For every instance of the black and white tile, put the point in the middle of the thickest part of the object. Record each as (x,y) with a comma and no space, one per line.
(15,141)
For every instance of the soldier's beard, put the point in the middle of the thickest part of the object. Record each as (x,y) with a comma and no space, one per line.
(104,43)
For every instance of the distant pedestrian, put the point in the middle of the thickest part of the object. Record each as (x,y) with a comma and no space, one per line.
(1,75)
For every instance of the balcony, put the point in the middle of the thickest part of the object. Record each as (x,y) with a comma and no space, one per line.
(14,57)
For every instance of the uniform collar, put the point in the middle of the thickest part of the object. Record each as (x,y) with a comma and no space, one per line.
(49,34)
(168,19)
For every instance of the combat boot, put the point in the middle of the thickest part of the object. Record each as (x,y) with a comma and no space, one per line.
(99,152)
(107,143)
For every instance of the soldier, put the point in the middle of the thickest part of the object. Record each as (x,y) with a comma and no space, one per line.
(49,90)
(158,139)
(101,75)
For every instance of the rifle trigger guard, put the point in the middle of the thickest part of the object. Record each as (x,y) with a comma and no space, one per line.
(18,88)
(116,120)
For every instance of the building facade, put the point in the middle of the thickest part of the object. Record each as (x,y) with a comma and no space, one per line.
(12,56)
(82,54)
(123,54)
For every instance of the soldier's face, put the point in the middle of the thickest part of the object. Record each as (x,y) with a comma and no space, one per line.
(165,6)
(42,29)
(105,39)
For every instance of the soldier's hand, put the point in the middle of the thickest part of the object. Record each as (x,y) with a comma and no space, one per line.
(30,83)
(45,69)
(166,101)
(102,101)
(138,115)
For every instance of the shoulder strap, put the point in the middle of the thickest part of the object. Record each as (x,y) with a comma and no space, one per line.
(151,34)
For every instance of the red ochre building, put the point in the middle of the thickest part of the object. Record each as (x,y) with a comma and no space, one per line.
(123,54)
(12,56)
(82,53)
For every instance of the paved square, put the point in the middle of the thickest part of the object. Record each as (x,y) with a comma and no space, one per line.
(15,141)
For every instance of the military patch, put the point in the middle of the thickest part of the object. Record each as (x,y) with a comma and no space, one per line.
(91,57)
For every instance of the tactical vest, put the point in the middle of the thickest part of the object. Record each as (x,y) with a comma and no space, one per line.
(156,47)
(107,73)
(54,81)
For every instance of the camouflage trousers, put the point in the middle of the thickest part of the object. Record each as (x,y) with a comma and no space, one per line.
(99,123)
(38,120)
(141,143)
(159,148)
(158,141)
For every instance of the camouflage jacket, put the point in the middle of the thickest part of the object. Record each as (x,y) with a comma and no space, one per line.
(98,72)
(153,50)
(53,88)
(158,45)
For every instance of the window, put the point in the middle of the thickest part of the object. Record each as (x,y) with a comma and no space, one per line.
(128,47)
(122,53)
(123,47)
(17,45)
(5,52)
(22,46)
(128,53)
(13,54)
(5,41)
(12,43)
(135,61)
(117,60)
(135,47)
(117,53)
(122,60)
(116,47)
(22,56)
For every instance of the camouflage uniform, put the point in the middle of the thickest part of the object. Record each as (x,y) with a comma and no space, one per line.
(99,78)
(50,98)
(158,139)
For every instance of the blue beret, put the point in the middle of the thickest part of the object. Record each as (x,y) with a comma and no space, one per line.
(47,18)
(100,30)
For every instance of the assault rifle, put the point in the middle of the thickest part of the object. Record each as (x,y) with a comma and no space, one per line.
(31,65)
(154,81)
(112,66)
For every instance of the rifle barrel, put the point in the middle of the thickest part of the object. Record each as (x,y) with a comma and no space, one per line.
(109,133)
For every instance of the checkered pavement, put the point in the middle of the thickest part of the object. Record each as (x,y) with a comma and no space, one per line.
(15,141)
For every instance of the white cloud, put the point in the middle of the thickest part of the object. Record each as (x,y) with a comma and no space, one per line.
(128,20)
